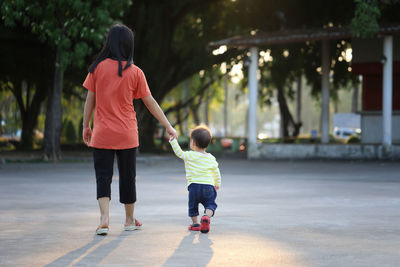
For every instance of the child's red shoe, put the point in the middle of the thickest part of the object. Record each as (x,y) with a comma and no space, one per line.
(205,224)
(194,227)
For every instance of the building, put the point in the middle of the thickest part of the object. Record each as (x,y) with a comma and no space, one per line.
(373,59)
(368,60)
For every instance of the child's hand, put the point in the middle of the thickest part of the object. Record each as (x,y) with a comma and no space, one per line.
(216,187)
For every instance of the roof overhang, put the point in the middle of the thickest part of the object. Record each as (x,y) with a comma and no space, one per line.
(295,36)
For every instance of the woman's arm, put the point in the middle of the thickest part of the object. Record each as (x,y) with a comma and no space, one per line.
(87,115)
(157,112)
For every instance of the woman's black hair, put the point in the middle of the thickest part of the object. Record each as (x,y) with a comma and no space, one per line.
(118,46)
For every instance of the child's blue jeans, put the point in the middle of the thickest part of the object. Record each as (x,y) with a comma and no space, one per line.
(204,194)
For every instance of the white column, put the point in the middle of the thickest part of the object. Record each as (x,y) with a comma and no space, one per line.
(387,92)
(252,117)
(325,92)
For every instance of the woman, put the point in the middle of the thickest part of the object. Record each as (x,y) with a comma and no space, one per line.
(113,82)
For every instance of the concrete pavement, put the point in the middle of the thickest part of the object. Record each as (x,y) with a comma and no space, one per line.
(272,213)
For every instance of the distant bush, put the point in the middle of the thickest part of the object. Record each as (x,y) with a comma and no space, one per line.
(69,131)
(80,130)
(298,140)
(6,144)
(353,140)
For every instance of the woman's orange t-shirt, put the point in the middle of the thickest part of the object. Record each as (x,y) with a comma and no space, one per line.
(114,123)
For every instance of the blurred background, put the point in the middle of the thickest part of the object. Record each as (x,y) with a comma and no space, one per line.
(46,47)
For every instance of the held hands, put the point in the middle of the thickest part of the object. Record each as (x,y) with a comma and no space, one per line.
(172,133)
(86,134)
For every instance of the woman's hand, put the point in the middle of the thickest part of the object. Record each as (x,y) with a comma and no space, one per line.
(172,133)
(86,134)
(87,114)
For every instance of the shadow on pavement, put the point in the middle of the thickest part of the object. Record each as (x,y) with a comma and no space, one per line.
(86,256)
(190,252)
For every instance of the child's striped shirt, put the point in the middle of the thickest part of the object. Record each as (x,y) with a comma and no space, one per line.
(200,168)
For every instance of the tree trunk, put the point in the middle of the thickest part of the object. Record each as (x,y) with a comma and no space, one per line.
(53,123)
(206,106)
(179,121)
(284,111)
(185,96)
(195,113)
(29,110)
(298,100)
(226,105)
(30,117)
(286,117)
(146,127)
(29,122)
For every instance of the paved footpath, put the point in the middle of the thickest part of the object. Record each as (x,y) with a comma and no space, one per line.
(270,213)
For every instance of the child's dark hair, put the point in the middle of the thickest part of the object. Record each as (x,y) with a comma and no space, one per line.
(201,136)
(118,45)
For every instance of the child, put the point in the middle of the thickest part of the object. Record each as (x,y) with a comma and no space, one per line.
(203,177)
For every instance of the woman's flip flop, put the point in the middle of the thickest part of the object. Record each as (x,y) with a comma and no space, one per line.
(133,227)
(102,230)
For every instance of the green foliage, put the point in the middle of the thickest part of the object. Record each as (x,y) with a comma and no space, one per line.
(9,113)
(69,131)
(172,37)
(365,21)
(354,139)
(80,129)
(72,25)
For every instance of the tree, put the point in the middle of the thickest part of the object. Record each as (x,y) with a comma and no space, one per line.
(305,59)
(198,87)
(68,26)
(176,46)
(69,131)
(365,21)
(25,71)
(171,44)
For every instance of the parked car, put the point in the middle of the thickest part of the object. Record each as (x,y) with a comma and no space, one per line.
(344,133)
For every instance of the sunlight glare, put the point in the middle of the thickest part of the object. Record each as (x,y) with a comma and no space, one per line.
(267,56)
(348,54)
(219,51)
(236,73)
(222,68)
(285,53)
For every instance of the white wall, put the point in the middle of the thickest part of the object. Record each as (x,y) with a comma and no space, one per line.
(371,127)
